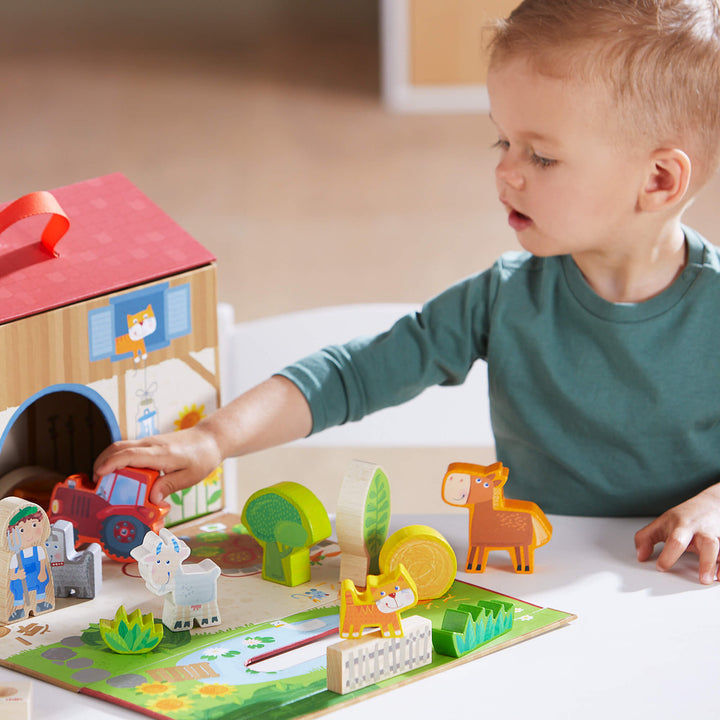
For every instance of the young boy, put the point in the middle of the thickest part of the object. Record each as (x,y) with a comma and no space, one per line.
(600,339)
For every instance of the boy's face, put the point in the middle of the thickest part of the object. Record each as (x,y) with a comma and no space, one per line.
(569,183)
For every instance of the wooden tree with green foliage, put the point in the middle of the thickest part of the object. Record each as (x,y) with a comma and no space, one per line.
(286,519)
(363,518)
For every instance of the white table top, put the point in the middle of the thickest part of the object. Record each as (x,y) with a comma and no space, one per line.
(645,643)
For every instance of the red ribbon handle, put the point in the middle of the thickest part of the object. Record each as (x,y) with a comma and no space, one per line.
(38,203)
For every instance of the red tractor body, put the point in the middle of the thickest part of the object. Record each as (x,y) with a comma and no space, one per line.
(116,512)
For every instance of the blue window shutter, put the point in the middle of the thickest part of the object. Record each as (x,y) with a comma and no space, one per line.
(179,317)
(100,333)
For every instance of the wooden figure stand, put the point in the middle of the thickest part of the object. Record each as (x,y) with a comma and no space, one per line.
(26,582)
(75,574)
(286,519)
(379,605)
(496,522)
(190,590)
(362,520)
(355,664)
(426,555)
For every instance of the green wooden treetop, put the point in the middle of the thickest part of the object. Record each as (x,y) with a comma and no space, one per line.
(286,519)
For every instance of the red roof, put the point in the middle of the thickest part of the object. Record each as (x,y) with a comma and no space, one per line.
(117,238)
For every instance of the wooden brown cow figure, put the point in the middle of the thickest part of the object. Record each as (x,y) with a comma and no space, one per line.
(496,522)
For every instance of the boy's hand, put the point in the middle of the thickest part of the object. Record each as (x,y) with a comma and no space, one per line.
(269,414)
(185,457)
(693,525)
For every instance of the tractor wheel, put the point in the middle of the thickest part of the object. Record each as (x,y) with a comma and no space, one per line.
(120,534)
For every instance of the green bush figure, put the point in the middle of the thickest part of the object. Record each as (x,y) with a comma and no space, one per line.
(286,519)
(131,634)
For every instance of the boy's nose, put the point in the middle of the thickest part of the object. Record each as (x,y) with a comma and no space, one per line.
(506,173)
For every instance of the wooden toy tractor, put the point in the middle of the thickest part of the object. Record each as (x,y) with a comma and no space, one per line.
(116,513)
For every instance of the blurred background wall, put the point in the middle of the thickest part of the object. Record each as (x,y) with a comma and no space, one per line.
(260,127)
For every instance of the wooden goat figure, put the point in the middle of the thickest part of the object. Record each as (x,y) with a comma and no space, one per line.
(191,590)
(496,522)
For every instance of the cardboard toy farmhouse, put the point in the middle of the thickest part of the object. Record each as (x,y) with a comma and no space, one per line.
(107,331)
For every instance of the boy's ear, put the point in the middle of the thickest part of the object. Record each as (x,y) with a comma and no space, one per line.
(667,180)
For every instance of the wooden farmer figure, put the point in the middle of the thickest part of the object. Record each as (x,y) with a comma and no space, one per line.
(25,574)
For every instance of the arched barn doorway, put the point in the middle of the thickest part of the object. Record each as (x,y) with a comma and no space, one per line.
(55,433)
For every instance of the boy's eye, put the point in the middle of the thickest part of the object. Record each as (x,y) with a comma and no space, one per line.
(541,162)
(535,159)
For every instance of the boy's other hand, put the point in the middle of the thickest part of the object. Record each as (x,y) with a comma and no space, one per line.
(691,526)
(184,458)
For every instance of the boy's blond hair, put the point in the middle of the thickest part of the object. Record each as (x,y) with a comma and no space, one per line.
(659,59)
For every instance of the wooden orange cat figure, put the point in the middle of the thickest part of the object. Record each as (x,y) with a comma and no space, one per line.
(379,605)
(140,325)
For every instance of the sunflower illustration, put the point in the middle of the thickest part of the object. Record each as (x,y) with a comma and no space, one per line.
(214,690)
(156,688)
(174,703)
(189,417)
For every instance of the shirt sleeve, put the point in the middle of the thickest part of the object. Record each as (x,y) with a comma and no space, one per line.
(434,346)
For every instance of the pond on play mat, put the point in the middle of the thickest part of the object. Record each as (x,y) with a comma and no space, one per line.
(270,650)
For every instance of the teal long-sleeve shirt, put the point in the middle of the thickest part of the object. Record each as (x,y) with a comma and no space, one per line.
(597,408)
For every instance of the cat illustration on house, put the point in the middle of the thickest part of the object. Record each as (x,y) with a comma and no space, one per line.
(139,326)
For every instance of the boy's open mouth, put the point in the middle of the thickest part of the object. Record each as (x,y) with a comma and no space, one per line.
(518,221)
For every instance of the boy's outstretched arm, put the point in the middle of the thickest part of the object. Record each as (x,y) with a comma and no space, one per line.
(272,413)
(693,525)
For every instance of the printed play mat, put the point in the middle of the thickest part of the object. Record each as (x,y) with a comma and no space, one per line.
(267,657)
